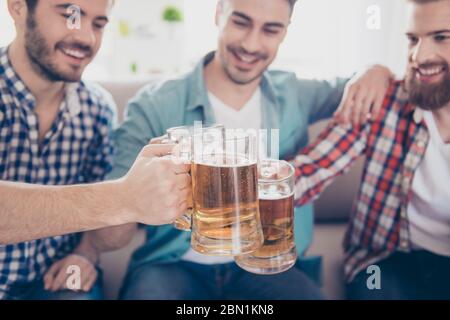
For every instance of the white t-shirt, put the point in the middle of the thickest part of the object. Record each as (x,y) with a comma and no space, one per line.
(249,117)
(429,208)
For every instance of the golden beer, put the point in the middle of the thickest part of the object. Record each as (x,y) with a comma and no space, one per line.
(183,137)
(277,216)
(276,205)
(226,208)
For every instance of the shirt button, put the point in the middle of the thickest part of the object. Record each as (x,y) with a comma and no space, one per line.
(404,244)
(418,116)
(421,144)
(405,184)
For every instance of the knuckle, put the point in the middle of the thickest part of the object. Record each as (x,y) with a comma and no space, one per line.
(147,150)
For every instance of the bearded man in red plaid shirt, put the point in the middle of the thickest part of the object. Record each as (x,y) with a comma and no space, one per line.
(401,218)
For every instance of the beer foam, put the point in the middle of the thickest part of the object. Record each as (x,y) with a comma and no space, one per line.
(225,161)
(275,192)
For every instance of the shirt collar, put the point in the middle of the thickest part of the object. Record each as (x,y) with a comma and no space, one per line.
(198,96)
(268,90)
(13,80)
(72,98)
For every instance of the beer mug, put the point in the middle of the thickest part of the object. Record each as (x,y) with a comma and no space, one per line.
(276,207)
(225,219)
(183,137)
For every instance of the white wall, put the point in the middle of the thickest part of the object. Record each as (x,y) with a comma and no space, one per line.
(152,45)
(326,37)
(6,25)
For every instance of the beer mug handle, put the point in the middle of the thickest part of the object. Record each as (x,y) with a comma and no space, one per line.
(184,222)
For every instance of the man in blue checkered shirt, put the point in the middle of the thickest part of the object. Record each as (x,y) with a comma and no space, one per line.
(54,130)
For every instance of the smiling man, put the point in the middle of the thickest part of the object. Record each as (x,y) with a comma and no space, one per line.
(233,86)
(54,130)
(401,219)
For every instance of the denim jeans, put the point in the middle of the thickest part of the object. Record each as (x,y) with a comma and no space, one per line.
(36,291)
(406,276)
(192,281)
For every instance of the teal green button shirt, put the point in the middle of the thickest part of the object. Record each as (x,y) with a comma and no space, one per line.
(288,104)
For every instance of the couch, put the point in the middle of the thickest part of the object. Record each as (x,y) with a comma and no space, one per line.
(331,216)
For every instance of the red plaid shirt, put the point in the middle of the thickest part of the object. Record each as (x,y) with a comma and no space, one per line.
(394,145)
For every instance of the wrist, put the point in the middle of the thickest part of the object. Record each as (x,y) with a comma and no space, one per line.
(117,211)
(87,250)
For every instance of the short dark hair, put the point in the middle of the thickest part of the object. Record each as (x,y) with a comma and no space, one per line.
(292,3)
(31,5)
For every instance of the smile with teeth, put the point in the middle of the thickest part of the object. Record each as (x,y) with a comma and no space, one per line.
(428,72)
(74,53)
(246,58)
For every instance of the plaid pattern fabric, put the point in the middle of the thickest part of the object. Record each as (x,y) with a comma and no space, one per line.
(77,149)
(394,145)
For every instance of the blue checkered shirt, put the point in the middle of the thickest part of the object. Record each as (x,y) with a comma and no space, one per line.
(77,149)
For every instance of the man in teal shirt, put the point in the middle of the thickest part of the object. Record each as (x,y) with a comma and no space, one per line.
(232,86)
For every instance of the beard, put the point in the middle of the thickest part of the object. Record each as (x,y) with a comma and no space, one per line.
(39,54)
(429,96)
(240,77)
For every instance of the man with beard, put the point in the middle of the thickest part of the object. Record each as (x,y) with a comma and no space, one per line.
(233,87)
(401,219)
(55,130)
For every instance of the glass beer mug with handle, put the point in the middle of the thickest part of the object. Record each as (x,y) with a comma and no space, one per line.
(183,137)
(225,219)
(276,205)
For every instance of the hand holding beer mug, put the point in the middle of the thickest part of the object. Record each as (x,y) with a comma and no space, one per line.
(225,219)
(276,206)
(182,136)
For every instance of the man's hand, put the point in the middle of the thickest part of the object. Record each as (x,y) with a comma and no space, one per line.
(156,189)
(85,256)
(56,277)
(160,140)
(364,95)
